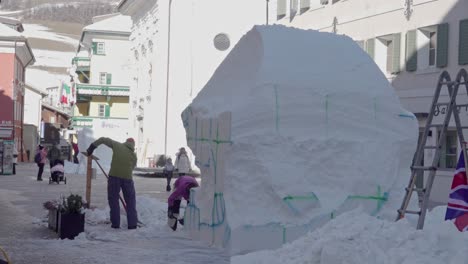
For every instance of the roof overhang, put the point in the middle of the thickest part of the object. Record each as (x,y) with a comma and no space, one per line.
(24,53)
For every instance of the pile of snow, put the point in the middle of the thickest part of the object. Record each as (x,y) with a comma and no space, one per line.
(151,212)
(288,135)
(355,237)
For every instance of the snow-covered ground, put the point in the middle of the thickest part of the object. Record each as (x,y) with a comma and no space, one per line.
(43,32)
(50,61)
(24,234)
(355,237)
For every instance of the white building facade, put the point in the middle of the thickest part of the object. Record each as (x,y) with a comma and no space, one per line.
(101,72)
(176,47)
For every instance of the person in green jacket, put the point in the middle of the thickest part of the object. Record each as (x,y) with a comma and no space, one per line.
(123,162)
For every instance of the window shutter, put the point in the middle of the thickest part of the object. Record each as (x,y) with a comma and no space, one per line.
(293,7)
(411,51)
(463,43)
(109,78)
(396,53)
(281,9)
(370,47)
(305,5)
(94,47)
(442,45)
(107,111)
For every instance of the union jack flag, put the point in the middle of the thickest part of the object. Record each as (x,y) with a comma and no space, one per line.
(457,207)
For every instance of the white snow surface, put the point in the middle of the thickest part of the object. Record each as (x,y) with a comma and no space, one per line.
(43,79)
(43,32)
(53,58)
(355,237)
(318,117)
(310,117)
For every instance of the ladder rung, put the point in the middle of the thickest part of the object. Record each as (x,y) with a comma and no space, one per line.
(464,127)
(442,104)
(461,105)
(432,147)
(436,125)
(447,83)
(419,190)
(412,212)
(423,168)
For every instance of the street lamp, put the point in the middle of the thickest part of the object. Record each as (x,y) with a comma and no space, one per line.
(167,76)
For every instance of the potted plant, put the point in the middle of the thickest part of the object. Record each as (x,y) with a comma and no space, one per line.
(71,217)
(53,207)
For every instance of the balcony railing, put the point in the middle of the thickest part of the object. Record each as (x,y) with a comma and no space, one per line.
(87,121)
(105,90)
(82,63)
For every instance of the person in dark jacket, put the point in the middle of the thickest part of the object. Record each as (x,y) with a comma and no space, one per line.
(53,155)
(168,170)
(123,162)
(42,153)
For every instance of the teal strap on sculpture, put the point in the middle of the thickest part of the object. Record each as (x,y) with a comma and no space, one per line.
(289,198)
(379,197)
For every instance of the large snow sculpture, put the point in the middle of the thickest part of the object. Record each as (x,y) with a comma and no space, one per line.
(294,127)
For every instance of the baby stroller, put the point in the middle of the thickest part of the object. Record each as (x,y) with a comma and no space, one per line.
(57,173)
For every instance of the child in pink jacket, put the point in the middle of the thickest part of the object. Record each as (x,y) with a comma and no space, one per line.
(182,190)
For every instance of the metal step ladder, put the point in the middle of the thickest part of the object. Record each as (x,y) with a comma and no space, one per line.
(416,168)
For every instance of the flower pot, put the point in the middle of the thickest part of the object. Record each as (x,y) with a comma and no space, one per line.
(70,225)
(53,219)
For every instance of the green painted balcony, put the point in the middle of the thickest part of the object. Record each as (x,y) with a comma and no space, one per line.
(82,64)
(104,90)
(87,121)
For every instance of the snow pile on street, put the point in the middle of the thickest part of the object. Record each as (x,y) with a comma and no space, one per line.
(290,134)
(151,212)
(355,237)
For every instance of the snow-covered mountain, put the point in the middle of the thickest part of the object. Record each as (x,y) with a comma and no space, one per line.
(53,28)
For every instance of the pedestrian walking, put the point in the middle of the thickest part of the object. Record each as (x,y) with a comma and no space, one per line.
(182,162)
(76,151)
(15,159)
(168,170)
(53,155)
(182,187)
(40,159)
(123,162)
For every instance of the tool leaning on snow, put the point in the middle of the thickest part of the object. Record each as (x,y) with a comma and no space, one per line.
(119,178)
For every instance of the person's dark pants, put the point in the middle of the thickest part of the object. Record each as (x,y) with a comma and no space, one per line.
(14,168)
(114,184)
(168,179)
(41,169)
(75,158)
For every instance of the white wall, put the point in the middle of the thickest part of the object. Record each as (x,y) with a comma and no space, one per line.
(193,59)
(115,61)
(32,107)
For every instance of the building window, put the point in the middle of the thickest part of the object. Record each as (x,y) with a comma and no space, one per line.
(427,47)
(387,53)
(448,157)
(389,44)
(101,110)
(102,78)
(432,48)
(52,119)
(281,9)
(101,50)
